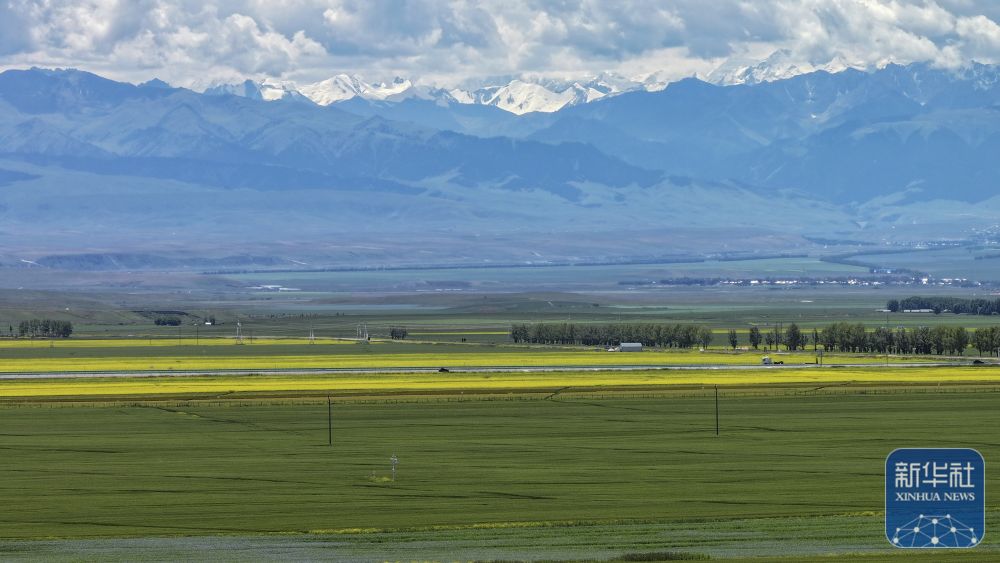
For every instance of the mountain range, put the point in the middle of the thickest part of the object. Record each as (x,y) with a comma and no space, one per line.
(901,152)
(517,95)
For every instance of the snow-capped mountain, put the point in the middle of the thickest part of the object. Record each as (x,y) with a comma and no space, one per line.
(334,89)
(780,65)
(898,147)
(526,95)
(344,87)
(518,95)
(267,90)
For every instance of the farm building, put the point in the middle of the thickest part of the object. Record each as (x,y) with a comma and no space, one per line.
(630,347)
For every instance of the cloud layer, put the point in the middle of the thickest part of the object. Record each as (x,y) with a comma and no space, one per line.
(195,43)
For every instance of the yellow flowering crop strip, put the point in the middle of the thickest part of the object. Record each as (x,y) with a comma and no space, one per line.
(459,333)
(484,382)
(156,342)
(382,356)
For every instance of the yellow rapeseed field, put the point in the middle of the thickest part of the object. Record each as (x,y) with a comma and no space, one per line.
(480,382)
(459,333)
(210,354)
(187,359)
(158,342)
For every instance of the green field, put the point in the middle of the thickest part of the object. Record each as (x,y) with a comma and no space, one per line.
(542,276)
(477,316)
(510,465)
(586,475)
(967,262)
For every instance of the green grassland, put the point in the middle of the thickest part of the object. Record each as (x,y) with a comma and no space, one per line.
(571,476)
(594,465)
(542,276)
(967,262)
(478,313)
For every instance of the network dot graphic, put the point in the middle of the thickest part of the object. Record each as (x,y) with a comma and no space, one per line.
(935,531)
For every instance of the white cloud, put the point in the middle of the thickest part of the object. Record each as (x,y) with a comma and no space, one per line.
(14,29)
(190,42)
(980,34)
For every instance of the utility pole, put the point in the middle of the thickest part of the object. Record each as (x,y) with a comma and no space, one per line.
(329,420)
(716,410)
(887,338)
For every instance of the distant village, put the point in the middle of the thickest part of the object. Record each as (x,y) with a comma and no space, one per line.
(886,278)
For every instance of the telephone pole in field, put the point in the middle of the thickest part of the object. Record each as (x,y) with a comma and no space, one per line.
(716,410)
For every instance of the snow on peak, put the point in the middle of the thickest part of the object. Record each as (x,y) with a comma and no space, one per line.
(344,87)
(462,96)
(517,95)
(780,65)
(399,88)
(525,95)
(334,89)
(267,90)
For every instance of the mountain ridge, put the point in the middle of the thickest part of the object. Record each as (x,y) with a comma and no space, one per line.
(905,151)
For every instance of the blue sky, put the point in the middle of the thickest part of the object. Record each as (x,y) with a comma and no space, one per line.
(196,43)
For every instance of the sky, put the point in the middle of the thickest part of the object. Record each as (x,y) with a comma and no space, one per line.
(197,43)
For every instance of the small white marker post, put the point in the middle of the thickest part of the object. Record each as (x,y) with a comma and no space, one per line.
(395,461)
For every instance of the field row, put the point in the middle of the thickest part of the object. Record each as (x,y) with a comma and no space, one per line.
(158,342)
(282,355)
(566,478)
(499,382)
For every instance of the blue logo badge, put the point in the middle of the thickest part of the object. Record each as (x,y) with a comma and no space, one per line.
(935,497)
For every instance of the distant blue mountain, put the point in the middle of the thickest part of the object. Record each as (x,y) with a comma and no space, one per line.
(826,153)
(844,137)
(98,125)
(41,91)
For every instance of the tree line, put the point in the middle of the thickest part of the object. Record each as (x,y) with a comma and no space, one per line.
(848,337)
(938,305)
(661,335)
(854,337)
(987,340)
(44,328)
(836,337)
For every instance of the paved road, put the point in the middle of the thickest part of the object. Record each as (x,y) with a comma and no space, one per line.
(457,369)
